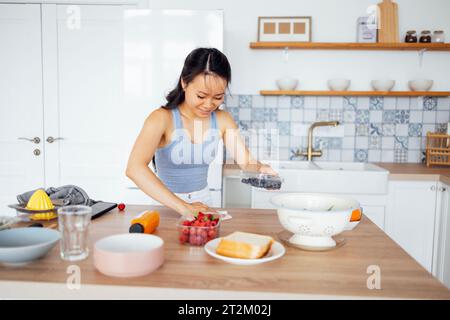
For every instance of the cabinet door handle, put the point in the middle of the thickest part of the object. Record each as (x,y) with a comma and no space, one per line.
(36,140)
(51,139)
(433,188)
(442,189)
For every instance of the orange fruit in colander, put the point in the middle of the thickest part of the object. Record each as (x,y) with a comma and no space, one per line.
(356,215)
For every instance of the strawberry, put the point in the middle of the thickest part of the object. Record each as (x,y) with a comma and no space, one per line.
(183,238)
(212,233)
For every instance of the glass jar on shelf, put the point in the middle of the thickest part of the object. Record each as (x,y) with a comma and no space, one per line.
(438,36)
(411,36)
(425,36)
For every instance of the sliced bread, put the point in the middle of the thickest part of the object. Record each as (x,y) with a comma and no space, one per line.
(244,245)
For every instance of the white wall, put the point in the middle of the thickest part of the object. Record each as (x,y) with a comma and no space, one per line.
(332,21)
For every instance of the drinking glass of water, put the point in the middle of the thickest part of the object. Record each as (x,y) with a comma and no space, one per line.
(73,224)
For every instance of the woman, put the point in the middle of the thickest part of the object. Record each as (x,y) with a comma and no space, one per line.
(183,135)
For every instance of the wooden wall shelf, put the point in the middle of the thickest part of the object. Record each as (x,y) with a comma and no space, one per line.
(352,46)
(356,93)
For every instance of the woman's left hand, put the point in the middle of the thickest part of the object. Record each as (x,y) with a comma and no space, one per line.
(266,169)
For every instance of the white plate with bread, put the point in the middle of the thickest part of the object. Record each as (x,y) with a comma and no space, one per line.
(243,248)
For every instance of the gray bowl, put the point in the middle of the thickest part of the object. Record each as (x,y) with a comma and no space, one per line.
(22,245)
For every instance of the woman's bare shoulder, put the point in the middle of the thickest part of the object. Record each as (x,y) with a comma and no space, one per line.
(225,119)
(159,116)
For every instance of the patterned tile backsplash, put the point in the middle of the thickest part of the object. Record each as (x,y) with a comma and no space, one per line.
(372,129)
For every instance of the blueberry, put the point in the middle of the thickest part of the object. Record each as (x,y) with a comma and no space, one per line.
(263,181)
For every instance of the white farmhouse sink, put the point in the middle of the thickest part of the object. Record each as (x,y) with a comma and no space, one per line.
(349,166)
(292,165)
(332,177)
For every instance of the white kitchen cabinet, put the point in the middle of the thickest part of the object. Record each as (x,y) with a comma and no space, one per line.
(62,83)
(21,116)
(410,218)
(235,193)
(260,198)
(88,65)
(441,261)
(374,208)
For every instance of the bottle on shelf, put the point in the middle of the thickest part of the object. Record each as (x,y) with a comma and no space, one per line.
(438,36)
(425,36)
(411,36)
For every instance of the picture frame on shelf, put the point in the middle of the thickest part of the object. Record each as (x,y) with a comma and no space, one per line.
(284,29)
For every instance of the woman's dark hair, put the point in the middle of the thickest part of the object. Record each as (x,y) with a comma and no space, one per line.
(206,61)
(199,61)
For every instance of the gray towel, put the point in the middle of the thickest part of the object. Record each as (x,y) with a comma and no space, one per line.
(65,195)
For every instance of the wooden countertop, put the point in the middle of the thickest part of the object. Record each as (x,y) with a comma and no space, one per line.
(416,171)
(397,171)
(188,272)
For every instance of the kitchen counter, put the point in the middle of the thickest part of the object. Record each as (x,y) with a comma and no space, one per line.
(188,272)
(416,171)
(397,171)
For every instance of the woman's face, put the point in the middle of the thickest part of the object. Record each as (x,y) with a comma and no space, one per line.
(204,94)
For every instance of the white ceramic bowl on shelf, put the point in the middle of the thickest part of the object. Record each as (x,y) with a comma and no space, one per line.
(338,84)
(420,84)
(382,85)
(287,83)
(314,218)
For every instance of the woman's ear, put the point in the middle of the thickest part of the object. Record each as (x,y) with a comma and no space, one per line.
(183,84)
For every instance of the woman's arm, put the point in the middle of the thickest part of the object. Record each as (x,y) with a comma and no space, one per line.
(138,171)
(235,145)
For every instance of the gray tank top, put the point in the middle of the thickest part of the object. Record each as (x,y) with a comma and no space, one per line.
(182,165)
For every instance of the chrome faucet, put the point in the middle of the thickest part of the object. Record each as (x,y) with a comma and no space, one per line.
(309,153)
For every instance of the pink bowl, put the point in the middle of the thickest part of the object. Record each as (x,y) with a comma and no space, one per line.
(128,255)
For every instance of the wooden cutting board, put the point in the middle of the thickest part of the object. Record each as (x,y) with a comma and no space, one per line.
(388,22)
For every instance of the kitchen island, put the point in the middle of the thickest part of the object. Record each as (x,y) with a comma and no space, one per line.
(189,273)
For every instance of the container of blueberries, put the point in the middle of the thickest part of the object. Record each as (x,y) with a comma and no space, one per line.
(261,180)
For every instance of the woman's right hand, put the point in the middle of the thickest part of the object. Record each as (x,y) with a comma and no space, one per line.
(191,210)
